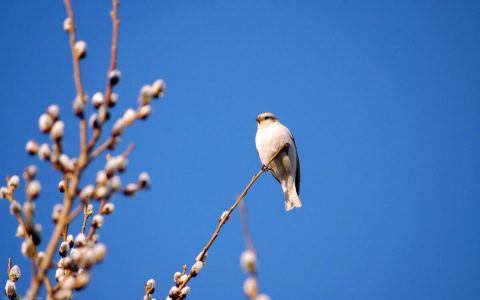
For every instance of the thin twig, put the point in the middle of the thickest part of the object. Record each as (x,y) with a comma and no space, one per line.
(113,65)
(229,212)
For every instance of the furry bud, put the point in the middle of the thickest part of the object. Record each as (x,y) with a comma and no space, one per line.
(33,189)
(31,147)
(97,221)
(196,268)
(98,99)
(144,180)
(61,186)
(44,152)
(15,208)
(63,250)
(45,123)
(53,110)
(15,273)
(67,25)
(114,77)
(57,131)
(248,261)
(80,49)
(108,208)
(158,88)
(150,286)
(13,182)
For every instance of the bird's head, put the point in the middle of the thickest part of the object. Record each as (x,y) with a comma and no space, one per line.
(266,118)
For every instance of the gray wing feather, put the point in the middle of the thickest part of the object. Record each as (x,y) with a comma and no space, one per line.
(297,173)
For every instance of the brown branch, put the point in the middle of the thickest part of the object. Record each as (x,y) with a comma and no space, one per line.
(227,215)
(113,55)
(53,242)
(85,216)
(113,66)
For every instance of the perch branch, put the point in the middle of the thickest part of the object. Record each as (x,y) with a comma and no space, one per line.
(229,212)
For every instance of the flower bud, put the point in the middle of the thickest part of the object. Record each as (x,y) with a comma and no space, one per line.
(97,221)
(31,147)
(44,152)
(101,178)
(130,190)
(45,123)
(57,131)
(116,183)
(114,77)
(82,280)
(61,186)
(118,127)
(37,234)
(57,210)
(30,172)
(98,99)
(93,121)
(10,289)
(202,258)
(66,162)
(87,192)
(53,110)
(78,106)
(4,192)
(20,231)
(183,278)
(89,209)
(184,292)
(99,252)
(67,25)
(263,297)
(101,192)
(144,180)
(80,240)
(146,93)
(113,99)
(13,182)
(176,277)
(196,268)
(70,240)
(28,248)
(158,88)
(250,287)
(15,208)
(144,111)
(129,116)
(33,189)
(29,208)
(63,250)
(223,216)
(80,49)
(59,274)
(15,273)
(108,208)
(173,291)
(248,261)
(150,286)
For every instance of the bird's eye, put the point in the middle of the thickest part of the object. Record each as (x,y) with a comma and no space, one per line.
(267,117)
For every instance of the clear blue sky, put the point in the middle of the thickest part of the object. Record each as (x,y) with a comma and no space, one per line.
(383,98)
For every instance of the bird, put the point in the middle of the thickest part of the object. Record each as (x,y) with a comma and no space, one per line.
(272,135)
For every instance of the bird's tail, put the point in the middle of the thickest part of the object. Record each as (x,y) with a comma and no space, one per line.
(291,198)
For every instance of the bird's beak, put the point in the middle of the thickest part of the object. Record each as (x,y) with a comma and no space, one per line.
(258,119)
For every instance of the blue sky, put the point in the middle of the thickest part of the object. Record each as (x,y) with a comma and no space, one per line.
(383,98)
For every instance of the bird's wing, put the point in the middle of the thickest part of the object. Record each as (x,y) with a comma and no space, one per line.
(297,173)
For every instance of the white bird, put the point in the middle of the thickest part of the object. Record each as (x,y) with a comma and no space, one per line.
(271,136)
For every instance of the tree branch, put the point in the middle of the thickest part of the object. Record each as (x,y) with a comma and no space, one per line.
(226,216)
